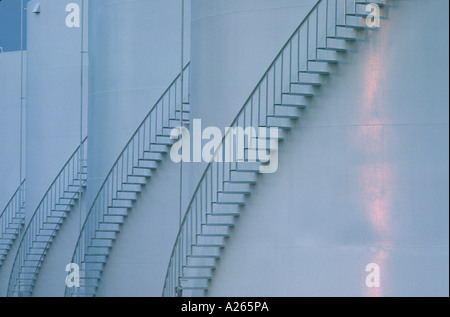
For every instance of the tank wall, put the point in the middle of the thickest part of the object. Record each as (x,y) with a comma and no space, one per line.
(10,124)
(53,96)
(363,177)
(135,53)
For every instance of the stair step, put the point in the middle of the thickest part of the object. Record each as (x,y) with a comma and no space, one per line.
(66,201)
(231,198)
(98,250)
(117,211)
(95,258)
(287,112)
(113,219)
(102,243)
(109,227)
(205,251)
(321,68)
(57,215)
(122,203)
(5,247)
(29,269)
(326,56)
(164,140)
(280,122)
(152,156)
(38,251)
(337,45)
(194,262)
(88,281)
(148,164)
(203,240)
(105,235)
(195,272)
(46,239)
(141,171)
(188,283)
(135,188)
(282,135)
(61,207)
(355,22)
(14,225)
(13,231)
(137,180)
(91,266)
(54,220)
(40,245)
(25,282)
(27,276)
(215,230)
(31,263)
(50,226)
(46,232)
(79,183)
(306,78)
(173,123)
(225,210)
(301,90)
(158,148)
(9,236)
(92,274)
(220,220)
(237,188)
(35,257)
(240,177)
(72,189)
(127,195)
(252,167)
(348,34)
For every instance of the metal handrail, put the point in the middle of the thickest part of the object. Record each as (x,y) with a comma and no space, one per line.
(148,132)
(69,175)
(257,110)
(13,211)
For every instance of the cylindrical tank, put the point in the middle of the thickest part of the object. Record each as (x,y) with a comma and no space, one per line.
(361,192)
(135,53)
(53,93)
(10,124)
(10,143)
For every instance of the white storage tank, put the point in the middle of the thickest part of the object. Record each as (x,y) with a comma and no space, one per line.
(135,53)
(10,77)
(53,93)
(363,178)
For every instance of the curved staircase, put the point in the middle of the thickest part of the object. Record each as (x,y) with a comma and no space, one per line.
(11,221)
(284,91)
(49,216)
(130,172)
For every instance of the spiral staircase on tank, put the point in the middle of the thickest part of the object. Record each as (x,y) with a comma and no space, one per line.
(12,219)
(43,227)
(285,90)
(132,169)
